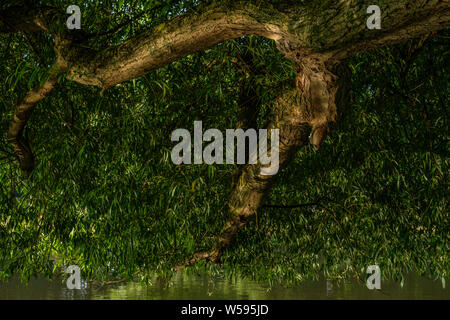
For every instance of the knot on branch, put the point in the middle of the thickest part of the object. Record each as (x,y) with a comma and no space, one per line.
(322,90)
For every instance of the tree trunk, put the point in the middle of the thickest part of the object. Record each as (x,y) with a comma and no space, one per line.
(304,112)
(316,35)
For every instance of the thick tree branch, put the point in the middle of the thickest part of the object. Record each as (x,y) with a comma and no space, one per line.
(315,35)
(335,28)
(174,40)
(340,32)
(404,20)
(321,93)
(22,113)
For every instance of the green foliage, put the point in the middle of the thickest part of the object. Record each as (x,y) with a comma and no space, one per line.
(378,188)
(106,196)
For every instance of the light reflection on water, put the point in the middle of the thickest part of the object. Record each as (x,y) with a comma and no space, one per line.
(191,287)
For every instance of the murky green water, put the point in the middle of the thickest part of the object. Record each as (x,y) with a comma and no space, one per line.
(194,287)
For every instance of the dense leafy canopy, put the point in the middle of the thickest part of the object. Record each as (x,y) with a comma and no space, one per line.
(105,195)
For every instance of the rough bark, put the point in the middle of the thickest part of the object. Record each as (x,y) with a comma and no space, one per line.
(171,41)
(321,94)
(22,113)
(337,29)
(316,35)
(333,28)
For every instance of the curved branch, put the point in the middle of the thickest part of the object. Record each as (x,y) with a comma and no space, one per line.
(22,113)
(336,28)
(171,41)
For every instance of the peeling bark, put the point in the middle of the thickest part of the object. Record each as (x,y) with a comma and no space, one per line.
(320,96)
(316,35)
(335,29)
(322,92)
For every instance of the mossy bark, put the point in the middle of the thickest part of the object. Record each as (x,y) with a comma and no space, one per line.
(321,94)
(316,35)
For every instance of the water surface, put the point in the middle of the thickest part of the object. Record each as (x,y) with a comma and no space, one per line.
(191,287)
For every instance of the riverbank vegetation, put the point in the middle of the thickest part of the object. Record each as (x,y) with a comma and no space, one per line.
(85,170)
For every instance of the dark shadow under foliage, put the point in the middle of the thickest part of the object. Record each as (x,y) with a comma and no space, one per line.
(105,195)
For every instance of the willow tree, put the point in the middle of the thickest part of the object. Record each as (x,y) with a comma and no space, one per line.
(316,37)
